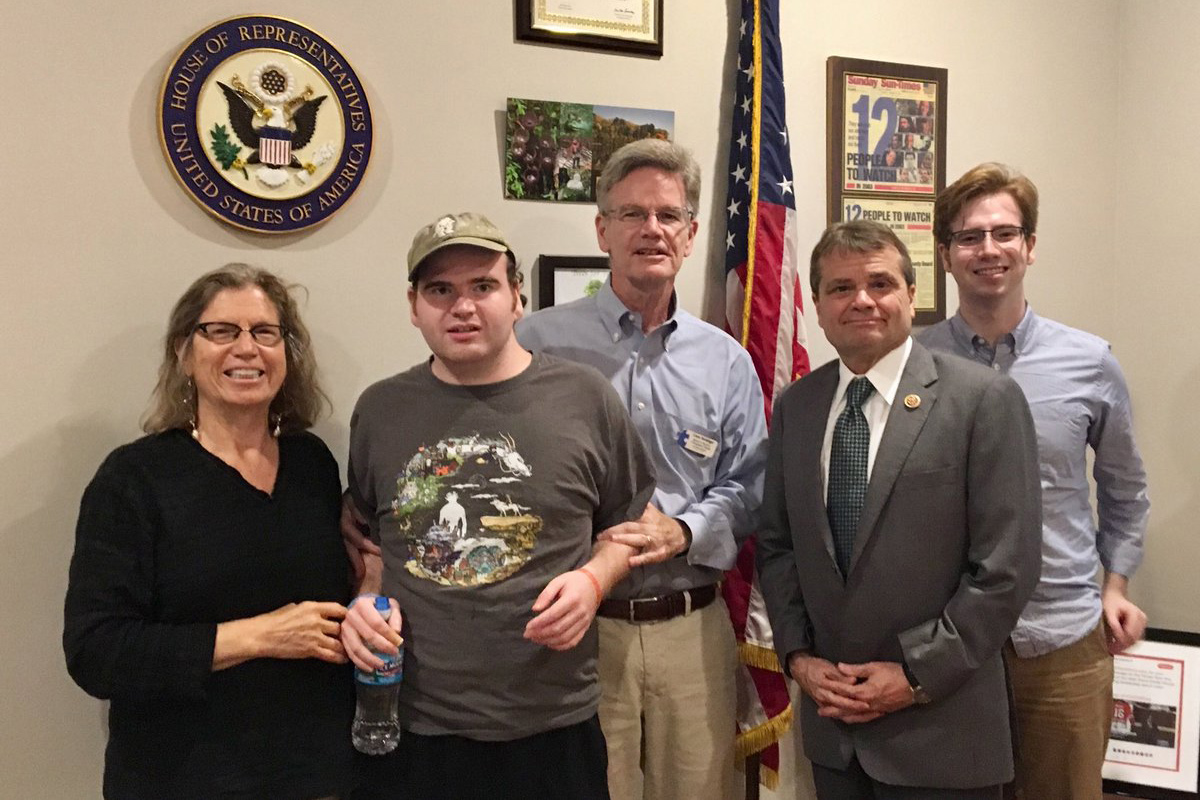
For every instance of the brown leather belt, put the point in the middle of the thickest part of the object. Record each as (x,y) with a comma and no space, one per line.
(657,609)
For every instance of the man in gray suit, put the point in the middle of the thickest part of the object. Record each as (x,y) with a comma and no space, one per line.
(900,540)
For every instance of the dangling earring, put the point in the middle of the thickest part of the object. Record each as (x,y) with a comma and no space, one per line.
(189,391)
(276,429)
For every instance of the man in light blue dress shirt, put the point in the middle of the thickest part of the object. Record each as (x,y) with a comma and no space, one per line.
(667,652)
(1059,655)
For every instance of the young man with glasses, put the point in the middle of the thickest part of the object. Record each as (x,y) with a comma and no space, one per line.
(1059,655)
(668,656)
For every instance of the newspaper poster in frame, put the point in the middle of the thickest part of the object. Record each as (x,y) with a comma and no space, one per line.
(634,27)
(886,143)
(1154,740)
(912,221)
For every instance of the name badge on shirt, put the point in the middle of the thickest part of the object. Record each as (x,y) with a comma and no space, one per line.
(697,443)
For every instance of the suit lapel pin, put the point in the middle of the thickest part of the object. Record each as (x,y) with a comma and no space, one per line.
(912,401)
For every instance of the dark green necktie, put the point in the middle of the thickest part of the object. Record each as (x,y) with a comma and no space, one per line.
(848,471)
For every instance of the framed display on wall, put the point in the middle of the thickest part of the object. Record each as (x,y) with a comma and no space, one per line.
(629,27)
(562,279)
(554,150)
(887,158)
(1154,741)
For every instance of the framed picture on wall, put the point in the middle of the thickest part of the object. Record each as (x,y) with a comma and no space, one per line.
(1154,741)
(633,27)
(886,145)
(561,279)
(554,150)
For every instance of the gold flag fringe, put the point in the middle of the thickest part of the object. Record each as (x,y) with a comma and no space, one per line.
(753,655)
(758,739)
(762,736)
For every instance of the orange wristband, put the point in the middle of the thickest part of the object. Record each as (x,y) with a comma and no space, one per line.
(595,583)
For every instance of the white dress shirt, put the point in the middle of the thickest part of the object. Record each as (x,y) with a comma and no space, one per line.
(885,377)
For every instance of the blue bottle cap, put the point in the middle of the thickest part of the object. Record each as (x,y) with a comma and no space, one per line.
(382,604)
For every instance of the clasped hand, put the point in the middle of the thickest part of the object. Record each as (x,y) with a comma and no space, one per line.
(655,536)
(853,693)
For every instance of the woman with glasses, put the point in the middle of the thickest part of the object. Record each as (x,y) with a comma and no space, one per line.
(209,578)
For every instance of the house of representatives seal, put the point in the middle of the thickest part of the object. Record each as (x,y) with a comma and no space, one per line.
(265,124)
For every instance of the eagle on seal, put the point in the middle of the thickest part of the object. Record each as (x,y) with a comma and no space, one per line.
(288,127)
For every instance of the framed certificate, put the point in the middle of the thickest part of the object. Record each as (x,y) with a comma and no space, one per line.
(886,143)
(624,26)
(1154,741)
(561,279)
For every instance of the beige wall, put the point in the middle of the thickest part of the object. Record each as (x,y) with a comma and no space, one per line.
(1152,275)
(1087,96)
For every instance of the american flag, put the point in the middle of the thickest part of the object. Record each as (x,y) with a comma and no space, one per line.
(764,309)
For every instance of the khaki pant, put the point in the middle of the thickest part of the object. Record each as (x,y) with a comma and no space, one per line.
(1064,711)
(668,706)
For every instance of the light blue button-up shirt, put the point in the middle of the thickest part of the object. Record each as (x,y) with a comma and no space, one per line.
(684,378)
(1078,398)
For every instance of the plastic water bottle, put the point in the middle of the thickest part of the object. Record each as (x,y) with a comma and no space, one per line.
(376,729)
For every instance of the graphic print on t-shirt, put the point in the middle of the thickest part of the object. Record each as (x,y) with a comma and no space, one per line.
(460,513)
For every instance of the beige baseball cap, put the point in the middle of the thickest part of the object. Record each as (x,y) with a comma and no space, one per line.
(465,227)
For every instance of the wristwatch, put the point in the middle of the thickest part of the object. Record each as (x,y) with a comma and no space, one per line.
(919,696)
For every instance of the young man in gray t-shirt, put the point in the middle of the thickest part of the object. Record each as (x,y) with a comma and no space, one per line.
(485,474)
